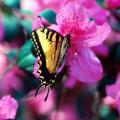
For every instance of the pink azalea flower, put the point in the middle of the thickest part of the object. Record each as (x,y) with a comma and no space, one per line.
(101,50)
(83,64)
(73,19)
(114,89)
(39,22)
(66,113)
(8,107)
(114,92)
(112,3)
(38,104)
(11,80)
(95,11)
(70,82)
(110,101)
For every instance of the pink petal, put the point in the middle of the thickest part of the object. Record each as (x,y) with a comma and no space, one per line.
(84,65)
(96,38)
(110,101)
(70,82)
(55,28)
(8,107)
(39,105)
(71,20)
(101,50)
(65,113)
(114,89)
(12,80)
(96,11)
(113,3)
(36,67)
(37,23)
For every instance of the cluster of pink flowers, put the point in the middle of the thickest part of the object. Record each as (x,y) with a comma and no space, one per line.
(74,19)
(88,25)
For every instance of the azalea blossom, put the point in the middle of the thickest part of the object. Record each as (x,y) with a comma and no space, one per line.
(112,3)
(73,19)
(95,11)
(11,80)
(113,91)
(8,107)
(38,104)
(66,113)
(84,65)
(101,50)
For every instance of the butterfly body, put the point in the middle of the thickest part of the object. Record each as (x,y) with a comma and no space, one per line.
(51,48)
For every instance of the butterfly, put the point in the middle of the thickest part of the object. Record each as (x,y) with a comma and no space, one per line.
(51,47)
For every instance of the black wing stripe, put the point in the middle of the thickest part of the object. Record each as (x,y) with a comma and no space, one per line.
(47,33)
(40,48)
(51,36)
(34,39)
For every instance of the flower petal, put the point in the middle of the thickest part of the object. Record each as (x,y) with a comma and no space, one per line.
(70,82)
(112,90)
(96,38)
(36,67)
(71,20)
(8,107)
(37,23)
(84,65)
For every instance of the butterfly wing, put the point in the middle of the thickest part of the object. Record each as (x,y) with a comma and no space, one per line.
(63,51)
(50,42)
(51,47)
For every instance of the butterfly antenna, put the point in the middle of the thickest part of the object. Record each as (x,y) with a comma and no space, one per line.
(37,90)
(47,94)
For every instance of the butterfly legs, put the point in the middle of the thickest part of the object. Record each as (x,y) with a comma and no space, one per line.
(47,94)
(45,88)
(38,90)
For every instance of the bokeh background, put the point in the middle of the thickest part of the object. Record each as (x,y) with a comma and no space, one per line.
(67,101)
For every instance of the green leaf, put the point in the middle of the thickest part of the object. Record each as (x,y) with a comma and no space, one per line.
(49,15)
(12,3)
(27,25)
(101,2)
(11,26)
(12,54)
(25,58)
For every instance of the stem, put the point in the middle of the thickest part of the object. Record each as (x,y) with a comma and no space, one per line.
(96,107)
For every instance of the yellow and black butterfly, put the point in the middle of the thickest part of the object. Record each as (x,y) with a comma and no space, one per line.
(51,47)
